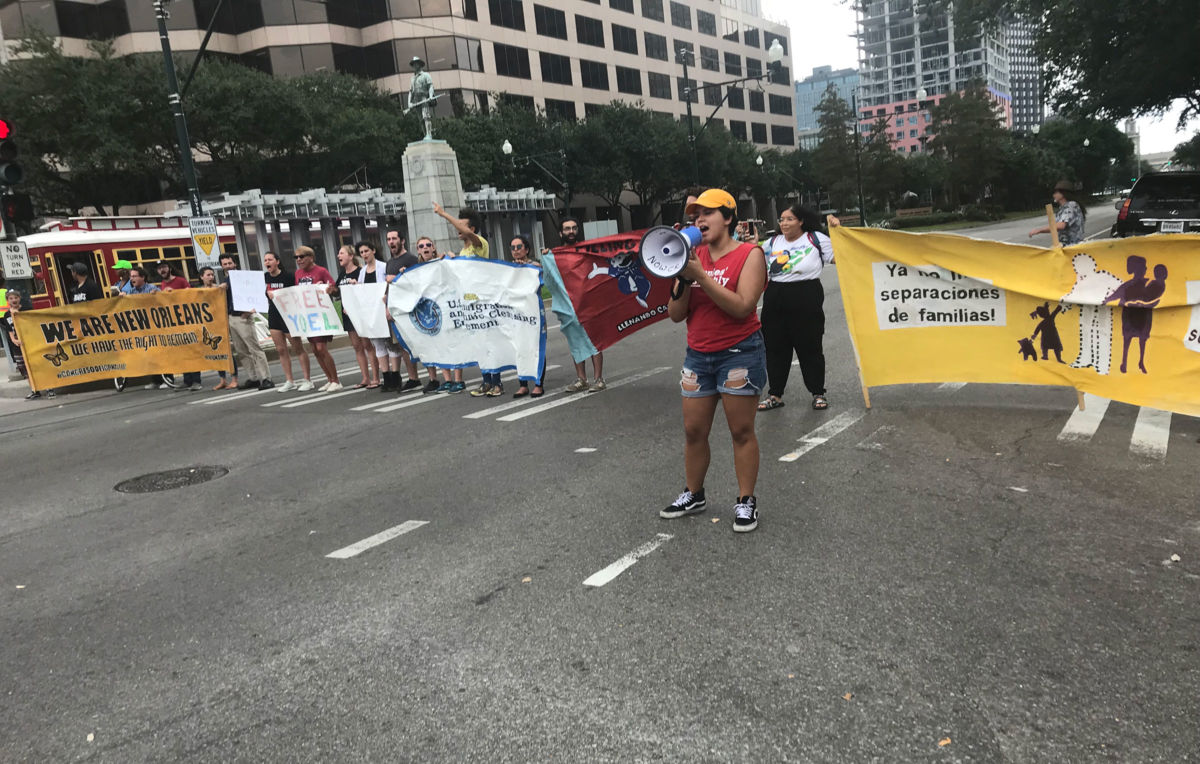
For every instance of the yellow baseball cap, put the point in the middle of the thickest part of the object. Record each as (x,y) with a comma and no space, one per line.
(712,199)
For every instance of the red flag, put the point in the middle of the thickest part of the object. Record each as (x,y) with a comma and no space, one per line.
(612,296)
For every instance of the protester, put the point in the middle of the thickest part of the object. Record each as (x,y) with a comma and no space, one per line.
(426,252)
(243,339)
(391,347)
(85,288)
(717,294)
(122,268)
(351,271)
(793,313)
(467,224)
(139,282)
(8,320)
(168,280)
(208,280)
(308,272)
(1069,218)
(285,343)
(521,252)
(569,233)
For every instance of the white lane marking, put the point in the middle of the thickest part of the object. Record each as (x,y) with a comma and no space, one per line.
(1151,433)
(324,397)
(823,434)
(1083,423)
(602,577)
(292,399)
(379,538)
(579,396)
(430,398)
(1018,489)
(509,406)
(950,387)
(874,441)
(229,397)
(585,450)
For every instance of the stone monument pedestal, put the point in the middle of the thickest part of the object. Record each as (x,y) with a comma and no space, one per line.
(431,175)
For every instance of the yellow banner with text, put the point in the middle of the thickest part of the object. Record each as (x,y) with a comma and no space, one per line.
(127,336)
(1118,318)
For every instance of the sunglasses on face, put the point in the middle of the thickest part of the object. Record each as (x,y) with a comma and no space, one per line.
(424,246)
(517,246)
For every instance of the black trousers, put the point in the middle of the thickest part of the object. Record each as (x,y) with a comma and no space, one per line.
(793,321)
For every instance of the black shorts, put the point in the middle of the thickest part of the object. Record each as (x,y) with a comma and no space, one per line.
(347,324)
(275,321)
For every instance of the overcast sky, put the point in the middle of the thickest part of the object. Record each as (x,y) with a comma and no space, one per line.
(822,34)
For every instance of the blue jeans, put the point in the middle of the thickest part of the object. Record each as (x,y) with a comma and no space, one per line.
(492,379)
(739,370)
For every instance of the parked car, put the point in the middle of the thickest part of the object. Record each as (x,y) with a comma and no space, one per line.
(1161,202)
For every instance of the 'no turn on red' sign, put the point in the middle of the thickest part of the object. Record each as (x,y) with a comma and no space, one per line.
(204,240)
(14,257)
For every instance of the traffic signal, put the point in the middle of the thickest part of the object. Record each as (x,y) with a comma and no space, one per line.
(10,172)
(18,208)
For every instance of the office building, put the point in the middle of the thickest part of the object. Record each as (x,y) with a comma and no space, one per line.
(810,91)
(1028,94)
(904,50)
(564,56)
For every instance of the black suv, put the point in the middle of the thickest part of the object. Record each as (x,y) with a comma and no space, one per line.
(1161,202)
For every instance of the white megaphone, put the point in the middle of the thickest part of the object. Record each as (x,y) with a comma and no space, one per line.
(664,251)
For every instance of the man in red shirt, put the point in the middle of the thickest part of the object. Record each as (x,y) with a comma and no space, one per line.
(307,272)
(167,280)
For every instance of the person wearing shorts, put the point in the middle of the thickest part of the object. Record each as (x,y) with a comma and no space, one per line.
(351,271)
(285,344)
(308,272)
(717,294)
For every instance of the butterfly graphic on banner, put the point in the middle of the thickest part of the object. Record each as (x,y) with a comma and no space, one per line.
(210,340)
(58,356)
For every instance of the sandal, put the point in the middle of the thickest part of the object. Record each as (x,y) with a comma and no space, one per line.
(521,392)
(766,404)
(495,392)
(537,395)
(359,386)
(372,386)
(820,403)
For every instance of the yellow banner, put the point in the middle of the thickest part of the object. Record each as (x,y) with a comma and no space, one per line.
(1119,318)
(128,336)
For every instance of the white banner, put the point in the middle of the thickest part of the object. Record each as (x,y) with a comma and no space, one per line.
(248,290)
(363,304)
(468,312)
(308,310)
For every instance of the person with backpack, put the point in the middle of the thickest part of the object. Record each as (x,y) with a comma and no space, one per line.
(793,314)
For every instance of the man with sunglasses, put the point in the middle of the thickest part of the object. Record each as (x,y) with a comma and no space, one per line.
(426,251)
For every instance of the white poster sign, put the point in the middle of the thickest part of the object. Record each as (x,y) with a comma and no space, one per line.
(248,290)
(14,256)
(908,296)
(308,310)
(468,312)
(363,304)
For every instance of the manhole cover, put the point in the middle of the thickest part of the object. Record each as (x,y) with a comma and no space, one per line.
(165,481)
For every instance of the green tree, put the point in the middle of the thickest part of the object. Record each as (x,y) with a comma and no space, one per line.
(968,135)
(1188,153)
(1090,165)
(834,158)
(882,166)
(94,131)
(1107,58)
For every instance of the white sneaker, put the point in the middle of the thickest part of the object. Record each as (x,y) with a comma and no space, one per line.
(286,387)
(333,387)
(324,388)
(151,386)
(165,386)
(304,385)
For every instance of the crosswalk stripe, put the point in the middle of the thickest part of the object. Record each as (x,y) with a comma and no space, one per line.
(1084,422)
(823,434)
(578,396)
(228,397)
(950,387)
(323,397)
(1151,433)
(438,396)
(292,399)
(509,406)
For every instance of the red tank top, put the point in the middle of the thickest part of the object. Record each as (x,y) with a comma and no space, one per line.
(710,329)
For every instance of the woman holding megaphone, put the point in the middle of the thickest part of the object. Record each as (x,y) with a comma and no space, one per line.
(717,294)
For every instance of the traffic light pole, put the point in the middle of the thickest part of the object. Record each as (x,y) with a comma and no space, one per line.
(176,101)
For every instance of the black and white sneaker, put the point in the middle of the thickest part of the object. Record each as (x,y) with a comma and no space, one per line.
(745,514)
(688,503)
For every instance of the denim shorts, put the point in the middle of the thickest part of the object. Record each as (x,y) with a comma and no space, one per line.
(739,370)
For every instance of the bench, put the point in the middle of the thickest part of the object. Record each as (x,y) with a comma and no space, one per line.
(850,219)
(914,211)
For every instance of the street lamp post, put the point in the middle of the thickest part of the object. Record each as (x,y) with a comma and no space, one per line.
(176,102)
(774,56)
(507,149)
(862,205)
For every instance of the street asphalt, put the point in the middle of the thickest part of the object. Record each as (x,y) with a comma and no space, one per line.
(945,577)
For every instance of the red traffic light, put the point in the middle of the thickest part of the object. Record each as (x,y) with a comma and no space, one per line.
(5,129)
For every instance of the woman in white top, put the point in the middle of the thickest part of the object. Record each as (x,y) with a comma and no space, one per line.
(793,315)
